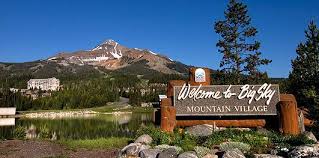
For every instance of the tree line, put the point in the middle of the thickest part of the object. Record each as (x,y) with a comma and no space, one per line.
(86,93)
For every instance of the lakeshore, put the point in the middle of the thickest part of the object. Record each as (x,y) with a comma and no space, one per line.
(41,148)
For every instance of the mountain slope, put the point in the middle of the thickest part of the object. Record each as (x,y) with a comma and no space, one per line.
(106,58)
(113,56)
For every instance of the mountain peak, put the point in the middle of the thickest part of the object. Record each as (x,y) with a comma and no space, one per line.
(113,56)
(103,45)
(110,42)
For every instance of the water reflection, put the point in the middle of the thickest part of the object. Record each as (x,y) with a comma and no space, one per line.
(79,128)
(124,118)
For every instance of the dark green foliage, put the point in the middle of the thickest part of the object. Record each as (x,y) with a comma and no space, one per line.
(185,141)
(135,97)
(304,83)
(260,143)
(87,93)
(159,137)
(10,99)
(17,74)
(254,139)
(283,84)
(289,141)
(179,67)
(240,51)
(137,68)
(80,94)
(12,132)
(224,78)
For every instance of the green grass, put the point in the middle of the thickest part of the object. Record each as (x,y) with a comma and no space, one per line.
(99,143)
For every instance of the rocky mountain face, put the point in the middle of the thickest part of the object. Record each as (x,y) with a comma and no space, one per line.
(107,58)
(113,56)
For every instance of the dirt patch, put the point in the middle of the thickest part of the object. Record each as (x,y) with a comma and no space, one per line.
(40,149)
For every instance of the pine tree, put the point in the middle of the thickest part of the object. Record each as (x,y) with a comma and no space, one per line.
(304,78)
(237,44)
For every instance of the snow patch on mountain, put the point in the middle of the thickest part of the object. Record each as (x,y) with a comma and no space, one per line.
(116,54)
(98,59)
(152,52)
(97,48)
(109,41)
(138,49)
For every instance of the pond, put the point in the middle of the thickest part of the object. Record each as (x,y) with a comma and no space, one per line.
(96,126)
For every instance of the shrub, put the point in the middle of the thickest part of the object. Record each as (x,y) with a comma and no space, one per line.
(185,141)
(159,137)
(258,142)
(249,137)
(201,151)
(232,145)
(289,141)
(188,143)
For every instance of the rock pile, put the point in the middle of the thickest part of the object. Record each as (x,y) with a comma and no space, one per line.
(142,148)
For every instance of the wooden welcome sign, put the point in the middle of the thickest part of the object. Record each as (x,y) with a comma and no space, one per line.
(226,100)
(196,102)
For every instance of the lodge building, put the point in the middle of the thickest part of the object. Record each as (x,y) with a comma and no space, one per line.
(52,84)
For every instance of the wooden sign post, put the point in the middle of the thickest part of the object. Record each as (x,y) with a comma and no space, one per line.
(200,99)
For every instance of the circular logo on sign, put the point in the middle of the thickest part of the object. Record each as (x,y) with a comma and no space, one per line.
(200,75)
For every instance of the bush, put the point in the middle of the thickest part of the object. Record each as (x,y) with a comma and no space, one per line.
(232,145)
(159,137)
(290,140)
(201,151)
(252,138)
(185,141)
(188,143)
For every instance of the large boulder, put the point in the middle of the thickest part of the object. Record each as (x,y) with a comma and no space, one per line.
(310,136)
(144,139)
(200,130)
(233,153)
(188,154)
(168,153)
(132,149)
(149,153)
(305,151)
(210,156)
(266,156)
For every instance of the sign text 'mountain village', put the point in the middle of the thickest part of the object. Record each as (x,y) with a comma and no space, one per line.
(216,100)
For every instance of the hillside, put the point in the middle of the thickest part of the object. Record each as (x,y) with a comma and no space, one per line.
(108,57)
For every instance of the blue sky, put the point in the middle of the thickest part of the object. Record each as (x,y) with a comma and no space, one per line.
(180,29)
